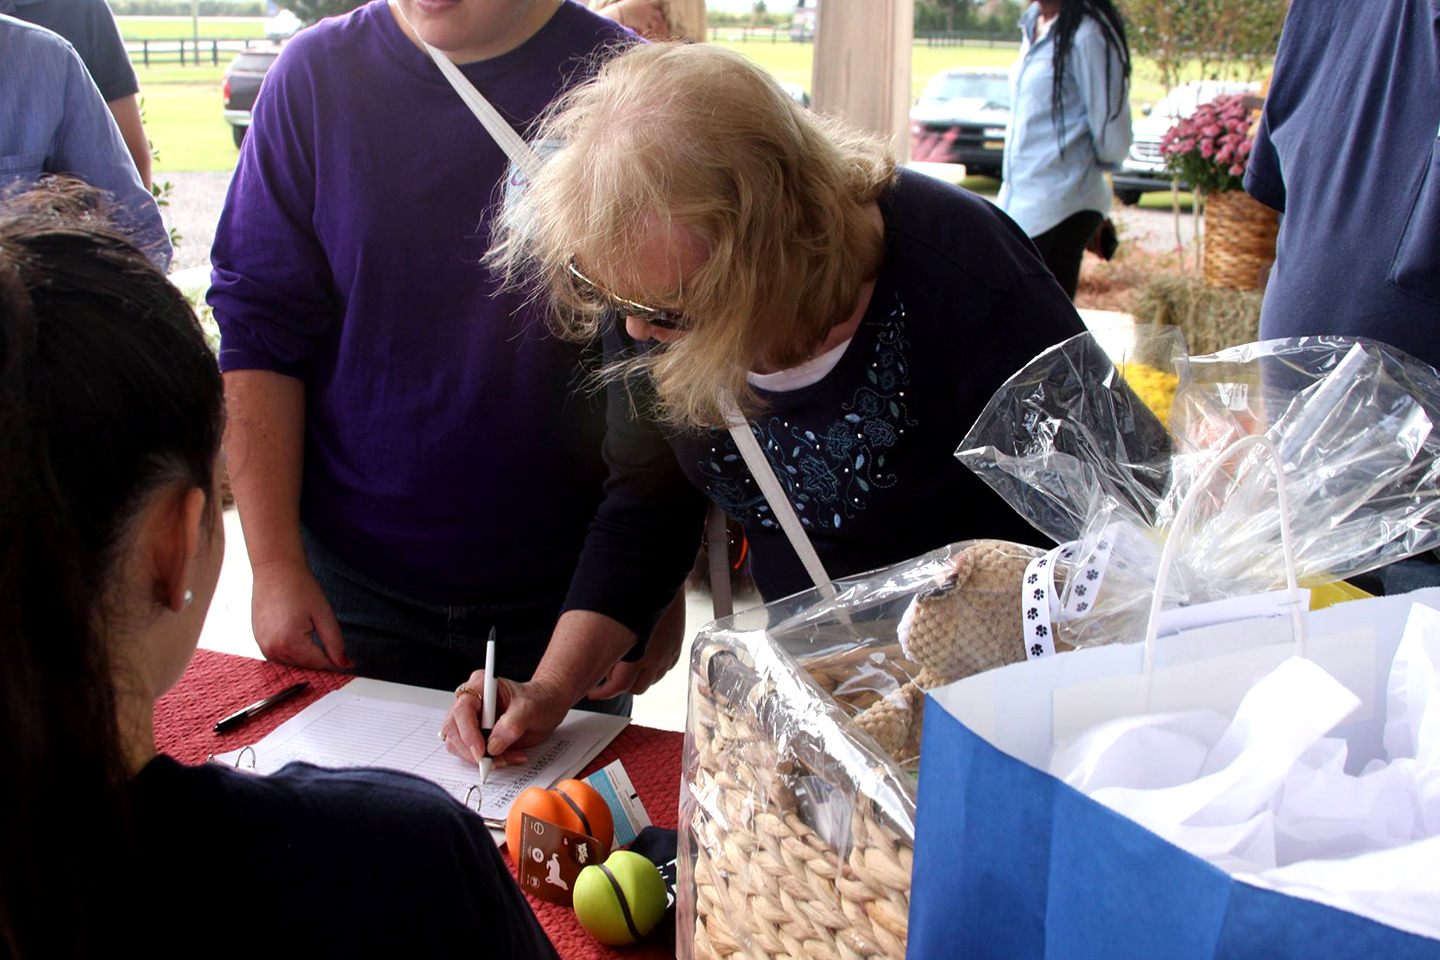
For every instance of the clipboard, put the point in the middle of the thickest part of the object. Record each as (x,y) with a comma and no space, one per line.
(375,723)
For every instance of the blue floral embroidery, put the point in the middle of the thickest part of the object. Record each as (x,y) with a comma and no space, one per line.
(828,474)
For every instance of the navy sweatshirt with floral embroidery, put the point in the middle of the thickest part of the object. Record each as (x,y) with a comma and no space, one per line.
(867,453)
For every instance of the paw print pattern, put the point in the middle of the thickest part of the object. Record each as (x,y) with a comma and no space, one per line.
(1082,607)
(1081,590)
(1032,613)
(1092,575)
(1033,579)
(1042,562)
(1041,630)
(1039,594)
(1036,650)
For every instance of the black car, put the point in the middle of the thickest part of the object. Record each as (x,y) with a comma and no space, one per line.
(242,83)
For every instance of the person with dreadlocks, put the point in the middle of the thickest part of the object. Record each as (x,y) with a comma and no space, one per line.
(1071,122)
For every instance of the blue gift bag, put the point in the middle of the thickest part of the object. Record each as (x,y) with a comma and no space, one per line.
(1011,863)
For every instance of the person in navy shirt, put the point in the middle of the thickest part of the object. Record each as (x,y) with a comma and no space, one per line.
(91,29)
(1347,151)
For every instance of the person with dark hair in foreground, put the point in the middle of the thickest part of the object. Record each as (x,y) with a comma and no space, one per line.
(111,539)
(1071,122)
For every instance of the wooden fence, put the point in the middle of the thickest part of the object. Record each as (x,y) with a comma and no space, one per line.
(186,52)
(958,38)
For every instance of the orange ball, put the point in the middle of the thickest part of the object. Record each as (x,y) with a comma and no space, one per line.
(572,804)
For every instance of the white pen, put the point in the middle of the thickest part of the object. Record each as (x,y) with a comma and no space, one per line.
(487,707)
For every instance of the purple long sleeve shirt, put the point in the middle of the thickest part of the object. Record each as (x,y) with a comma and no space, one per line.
(451,451)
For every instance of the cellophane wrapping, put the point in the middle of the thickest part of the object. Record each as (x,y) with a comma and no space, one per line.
(1098,440)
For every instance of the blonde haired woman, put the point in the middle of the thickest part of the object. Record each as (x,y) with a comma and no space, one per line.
(859,316)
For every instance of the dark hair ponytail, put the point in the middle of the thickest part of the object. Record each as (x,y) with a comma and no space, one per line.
(1112,28)
(107,391)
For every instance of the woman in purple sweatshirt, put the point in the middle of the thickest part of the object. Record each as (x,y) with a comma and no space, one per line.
(413,463)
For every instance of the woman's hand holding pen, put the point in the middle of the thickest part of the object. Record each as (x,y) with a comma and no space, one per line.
(526,714)
(583,648)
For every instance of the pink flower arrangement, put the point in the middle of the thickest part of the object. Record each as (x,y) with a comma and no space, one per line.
(1209,148)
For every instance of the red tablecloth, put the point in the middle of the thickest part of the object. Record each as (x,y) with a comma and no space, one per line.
(217,684)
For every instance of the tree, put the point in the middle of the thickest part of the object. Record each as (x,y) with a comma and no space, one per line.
(1204,39)
(313,11)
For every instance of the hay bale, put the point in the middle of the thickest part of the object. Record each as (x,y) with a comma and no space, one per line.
(1210,317)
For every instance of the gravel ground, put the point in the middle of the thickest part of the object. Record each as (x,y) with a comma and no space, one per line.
(195,203)
(1153,230)
(197,198)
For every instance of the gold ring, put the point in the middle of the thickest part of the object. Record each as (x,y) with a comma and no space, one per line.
(463,689)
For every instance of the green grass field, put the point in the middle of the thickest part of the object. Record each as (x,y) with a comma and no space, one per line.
(211,28)
(182,104)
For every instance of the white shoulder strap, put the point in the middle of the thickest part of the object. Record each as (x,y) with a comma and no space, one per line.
(500,131)
(775,496)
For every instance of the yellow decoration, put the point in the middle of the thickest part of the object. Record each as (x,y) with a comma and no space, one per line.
(1155,387)
(1332,593)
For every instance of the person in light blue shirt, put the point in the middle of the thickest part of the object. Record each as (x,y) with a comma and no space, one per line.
(53,120)
(1070,123)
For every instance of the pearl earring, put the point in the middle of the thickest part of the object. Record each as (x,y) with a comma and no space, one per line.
(189,597)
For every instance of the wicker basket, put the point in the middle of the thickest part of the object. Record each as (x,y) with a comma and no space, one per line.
(796,829)
(1239,240)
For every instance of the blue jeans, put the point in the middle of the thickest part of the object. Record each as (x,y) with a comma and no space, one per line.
(390,636)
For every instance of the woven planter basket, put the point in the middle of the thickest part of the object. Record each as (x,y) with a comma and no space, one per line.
(762,875)
(1239,240)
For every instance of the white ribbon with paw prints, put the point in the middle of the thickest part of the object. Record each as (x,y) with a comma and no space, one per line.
(1044,605)
(1041,600)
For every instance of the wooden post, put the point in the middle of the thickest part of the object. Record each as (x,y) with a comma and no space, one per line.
(862,66)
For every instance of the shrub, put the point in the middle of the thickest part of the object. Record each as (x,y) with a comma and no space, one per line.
(1209,148)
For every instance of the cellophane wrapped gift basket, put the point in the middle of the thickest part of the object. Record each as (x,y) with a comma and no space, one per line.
(797,819)
(798,807)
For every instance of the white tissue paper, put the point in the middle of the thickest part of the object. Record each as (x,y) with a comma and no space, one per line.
(1265,797)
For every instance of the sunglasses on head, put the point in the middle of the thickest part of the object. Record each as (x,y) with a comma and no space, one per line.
(664,319)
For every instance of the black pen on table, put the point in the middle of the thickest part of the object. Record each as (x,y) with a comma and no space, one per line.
(259,706)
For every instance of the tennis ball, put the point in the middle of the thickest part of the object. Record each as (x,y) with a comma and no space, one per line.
(622,901)
(573,805)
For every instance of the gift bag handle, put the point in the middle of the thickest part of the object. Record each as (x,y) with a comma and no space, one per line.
(1187,507)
